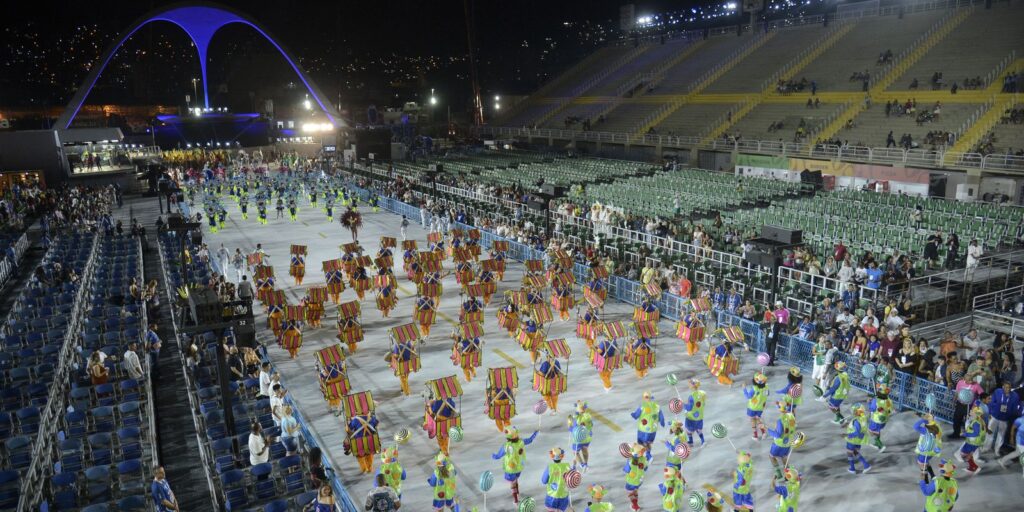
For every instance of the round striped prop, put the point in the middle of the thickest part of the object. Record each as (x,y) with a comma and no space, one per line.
(671,379)
(625,451)
(682,451)
(763,359)
(696,501)
(926,443)
(796,390)
(573,478)
(486,481)
(402,435)
(965,396)
(929,401)
(540,407)
(579,435)
(818,392)
(799,439)
(527,505)
(455,433)
(868,371)
(675,405)
(719,431)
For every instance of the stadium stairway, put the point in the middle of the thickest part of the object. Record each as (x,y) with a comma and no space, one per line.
(789,70)
(979,128)
(701,84)
(33,256)
(176,433)
(876,92)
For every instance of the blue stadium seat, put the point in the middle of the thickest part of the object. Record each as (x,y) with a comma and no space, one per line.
(132,504)
(129,476)
(98,484)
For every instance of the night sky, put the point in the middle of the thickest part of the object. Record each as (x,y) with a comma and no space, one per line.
(358,52)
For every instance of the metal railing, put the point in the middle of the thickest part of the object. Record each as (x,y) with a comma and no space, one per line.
(937,159)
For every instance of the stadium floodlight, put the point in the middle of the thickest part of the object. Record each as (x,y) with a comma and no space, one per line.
(731,6)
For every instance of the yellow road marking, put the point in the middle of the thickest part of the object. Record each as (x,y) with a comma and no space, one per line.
(607,422)
(501,353)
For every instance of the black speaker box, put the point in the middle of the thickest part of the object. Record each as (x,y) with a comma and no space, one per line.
(782,235)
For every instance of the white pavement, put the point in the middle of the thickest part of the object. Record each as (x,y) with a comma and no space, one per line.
(891,486)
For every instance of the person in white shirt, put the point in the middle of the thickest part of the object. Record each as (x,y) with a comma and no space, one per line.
(264,381)
(974,254)
(131,362)
(259,451)
(277,403)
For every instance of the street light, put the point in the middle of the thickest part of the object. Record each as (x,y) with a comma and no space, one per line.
(433,99)
(194,90)
(306,104)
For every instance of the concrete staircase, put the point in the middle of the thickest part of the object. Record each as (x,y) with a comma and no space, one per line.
(980,127)
(651,78)
(791,69)
(902,62)
(596,79)
(702,83)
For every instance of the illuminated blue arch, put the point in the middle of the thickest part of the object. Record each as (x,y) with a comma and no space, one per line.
(200,22)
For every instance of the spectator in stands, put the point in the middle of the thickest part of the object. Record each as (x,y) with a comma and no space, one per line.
(265,381)
(244,290)
(970,381)
(153,344)
(382,498)
(324,501)
(974,254)
(235,364)
(874,276)
(970,344)
(781,313)
(289,431)
(160,490)
(259,446)
(98,372)
(132,365)
(277,403)
(952,251)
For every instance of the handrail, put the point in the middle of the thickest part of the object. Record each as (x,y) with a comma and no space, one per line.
(34,478)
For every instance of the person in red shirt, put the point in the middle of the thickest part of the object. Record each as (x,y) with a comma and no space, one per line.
(839,253)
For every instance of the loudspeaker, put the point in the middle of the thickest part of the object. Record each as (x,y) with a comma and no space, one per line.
(552,190)
(197,237)
(764,259)
(782,235)
(205,306)
(536,203)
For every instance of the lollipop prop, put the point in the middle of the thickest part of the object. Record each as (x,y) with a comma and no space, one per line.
(527,505)
(573,479)
(696,501)
(538,409)
(672,379)
(798,440)
(486,482)
(721,432)
(675,405)
(402,436)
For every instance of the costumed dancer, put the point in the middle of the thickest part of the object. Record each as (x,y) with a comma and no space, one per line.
(441,409)
(692,321)
(513,457)
(531,337)
(788,490)
(722,364)
(275,316)
(363,440)
(676,437)
(386,299)
(352,220)
(581,432)
(881,409)
(562,299)
(314,311)
(554,479)
(424,314)
(974,438)
(466,353)
(597,503)
(243,205)
(329,208)
(443,483)
(291,338)
(550,370)
(694,421)
(587,326)
(464,272)
(642,355)
(487,279)
(261,211)
(499,258)
(403,359)
(508,317)
(606,359)
(942,492)
(672,490)
(793,378)
(298,268)
(293,209)
(757,398)
(635,469)
(647,311)
(741,479)
(929,442)
(335,284)
(837,391)
(856,434)
(350,333)
(783,437)
(360,282)
(648,418)
(501,404)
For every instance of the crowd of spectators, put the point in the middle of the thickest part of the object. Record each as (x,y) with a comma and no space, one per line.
(785,86)
(885,57)
(1012,82)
